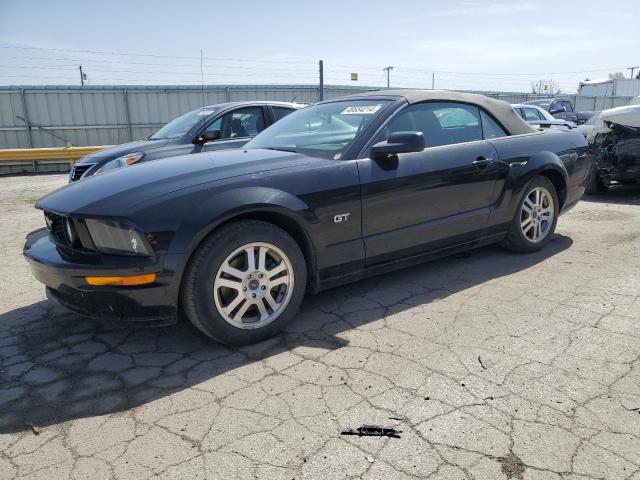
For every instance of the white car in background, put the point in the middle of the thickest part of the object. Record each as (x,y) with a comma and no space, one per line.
(539,117)
(587,128)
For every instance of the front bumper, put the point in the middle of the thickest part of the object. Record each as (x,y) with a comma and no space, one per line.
(63,273)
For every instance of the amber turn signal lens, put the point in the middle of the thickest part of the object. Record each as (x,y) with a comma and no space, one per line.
(122,281)
(132,159)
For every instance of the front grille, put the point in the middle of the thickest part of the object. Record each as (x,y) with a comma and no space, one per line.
(55,223)
(78,171)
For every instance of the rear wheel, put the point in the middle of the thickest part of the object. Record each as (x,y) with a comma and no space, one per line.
(244,283)
(535,218)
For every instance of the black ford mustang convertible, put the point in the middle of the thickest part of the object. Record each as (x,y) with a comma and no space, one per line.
(330,194)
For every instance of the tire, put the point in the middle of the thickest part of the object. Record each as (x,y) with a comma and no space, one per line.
(226,306)
(594,183)
(521,238)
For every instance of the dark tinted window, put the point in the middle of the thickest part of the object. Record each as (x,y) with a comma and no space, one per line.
(555,106)
(281,112)
(567,105)
(490,127)
(442,123)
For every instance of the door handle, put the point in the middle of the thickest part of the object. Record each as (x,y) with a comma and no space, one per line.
(481,162)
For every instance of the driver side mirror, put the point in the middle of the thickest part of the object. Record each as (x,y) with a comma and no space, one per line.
(398,142)
(209,136)
(553,111)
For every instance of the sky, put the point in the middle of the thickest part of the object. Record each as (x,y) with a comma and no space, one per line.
(487,45)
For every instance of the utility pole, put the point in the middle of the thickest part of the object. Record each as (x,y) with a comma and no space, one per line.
(83,76)
(388,72)
(321,72)
(632,70)
(433,80)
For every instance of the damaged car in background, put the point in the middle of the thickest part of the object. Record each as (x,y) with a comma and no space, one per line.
(614,148)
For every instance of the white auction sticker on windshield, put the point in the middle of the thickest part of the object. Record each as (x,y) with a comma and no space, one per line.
(205,112)
(361,109)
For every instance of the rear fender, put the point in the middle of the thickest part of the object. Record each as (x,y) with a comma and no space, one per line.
(543,163)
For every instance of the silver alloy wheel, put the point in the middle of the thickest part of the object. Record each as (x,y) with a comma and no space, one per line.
(253,285)
(537,214)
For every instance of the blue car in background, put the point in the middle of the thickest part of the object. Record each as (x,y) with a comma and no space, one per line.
(214,127)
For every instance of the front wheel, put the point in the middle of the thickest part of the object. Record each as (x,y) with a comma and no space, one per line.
(535,218)
(594,182)
(244,283)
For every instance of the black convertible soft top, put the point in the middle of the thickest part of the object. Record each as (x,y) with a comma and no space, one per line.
(501,110)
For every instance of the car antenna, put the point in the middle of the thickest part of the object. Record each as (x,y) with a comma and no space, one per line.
(202,88)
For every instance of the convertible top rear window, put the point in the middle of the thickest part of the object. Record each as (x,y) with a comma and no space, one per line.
(324,130)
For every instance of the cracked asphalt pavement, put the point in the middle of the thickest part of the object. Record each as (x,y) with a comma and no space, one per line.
(494,365)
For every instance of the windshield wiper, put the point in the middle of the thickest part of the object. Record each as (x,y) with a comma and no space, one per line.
(283,149)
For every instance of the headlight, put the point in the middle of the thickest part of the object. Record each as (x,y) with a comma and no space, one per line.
(112,237)
(120,162)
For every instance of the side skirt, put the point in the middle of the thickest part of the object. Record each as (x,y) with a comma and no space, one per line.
(393,265)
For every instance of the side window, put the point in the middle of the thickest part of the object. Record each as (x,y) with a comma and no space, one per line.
(216,125)
(490,127)
(540,115)
(280,112)
(246,122)
(441,123)
(243,122)
(531,114)
(567,105)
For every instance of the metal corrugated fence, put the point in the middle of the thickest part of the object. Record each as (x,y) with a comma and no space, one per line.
(53,116)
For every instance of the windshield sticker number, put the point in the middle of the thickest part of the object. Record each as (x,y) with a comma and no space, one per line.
(361,109)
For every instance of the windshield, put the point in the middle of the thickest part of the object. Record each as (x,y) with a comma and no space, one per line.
(325,130)
(181,125)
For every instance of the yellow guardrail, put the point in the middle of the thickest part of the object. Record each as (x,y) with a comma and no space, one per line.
(71,154)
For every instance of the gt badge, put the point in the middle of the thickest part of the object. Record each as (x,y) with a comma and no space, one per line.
(343,217)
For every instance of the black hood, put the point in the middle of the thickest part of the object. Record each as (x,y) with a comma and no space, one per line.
(118,150)
(116,192)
